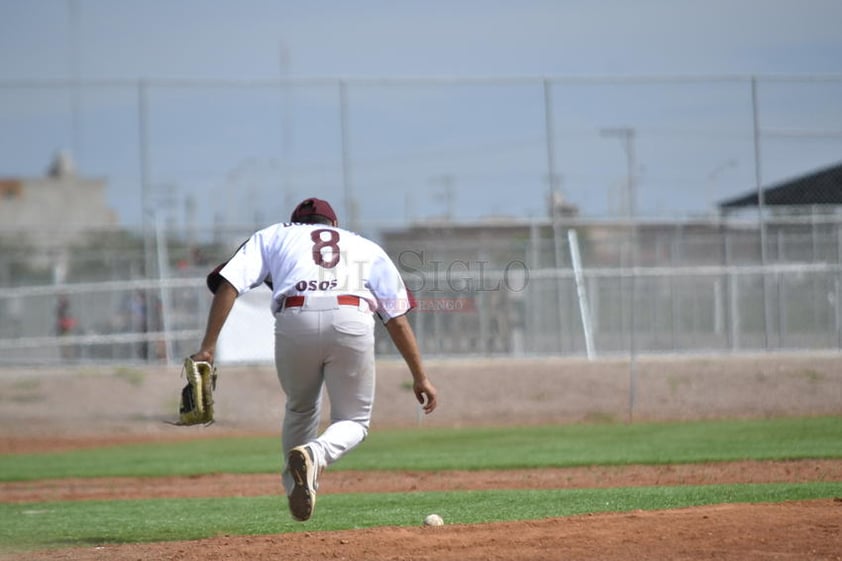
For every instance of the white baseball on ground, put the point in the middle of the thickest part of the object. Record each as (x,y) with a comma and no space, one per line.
(433,520)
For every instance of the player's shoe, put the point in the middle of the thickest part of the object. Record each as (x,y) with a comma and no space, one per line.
(302,498)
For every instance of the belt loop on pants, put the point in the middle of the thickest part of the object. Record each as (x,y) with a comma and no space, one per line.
(342,300)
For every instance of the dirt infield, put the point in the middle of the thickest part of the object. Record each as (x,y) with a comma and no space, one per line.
(42,410)
(231,485)
(808,531)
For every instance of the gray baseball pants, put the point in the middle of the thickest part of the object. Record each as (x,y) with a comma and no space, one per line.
(324,345)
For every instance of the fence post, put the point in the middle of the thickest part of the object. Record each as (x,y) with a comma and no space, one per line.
(584,311)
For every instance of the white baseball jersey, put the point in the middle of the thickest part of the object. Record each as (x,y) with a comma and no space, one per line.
(315,259)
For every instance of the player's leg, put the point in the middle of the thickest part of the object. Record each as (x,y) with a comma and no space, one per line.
(349,378)
(298,362)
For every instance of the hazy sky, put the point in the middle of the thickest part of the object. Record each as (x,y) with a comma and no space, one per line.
(262,39)
(244,38)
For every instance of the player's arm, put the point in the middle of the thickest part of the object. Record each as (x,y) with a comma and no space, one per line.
(402,335)
(223,301)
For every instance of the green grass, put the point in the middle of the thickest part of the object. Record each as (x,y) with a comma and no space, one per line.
(474,448)
(57,524)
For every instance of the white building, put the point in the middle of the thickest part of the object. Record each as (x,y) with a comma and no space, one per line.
(51,213)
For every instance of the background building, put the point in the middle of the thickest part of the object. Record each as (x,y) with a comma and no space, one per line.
(48,215)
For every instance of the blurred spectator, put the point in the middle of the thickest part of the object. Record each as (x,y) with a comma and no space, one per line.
(65,325)
(65,322)
(138,320)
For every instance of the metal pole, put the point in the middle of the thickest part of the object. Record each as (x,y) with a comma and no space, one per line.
(735,311)
(163,272)
(143,156)
(143,150)
(548,128)
(350,206)
(531,323)
(73,58)
(584,310)
(838,301)
(552,199)
(627,135)
(559,287)
(761,203)
(447,194)
(631,164)
(286,121)
(632,336)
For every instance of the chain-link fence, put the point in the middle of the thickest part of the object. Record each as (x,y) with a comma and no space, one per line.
(457,178)
(684,288)
(244,152)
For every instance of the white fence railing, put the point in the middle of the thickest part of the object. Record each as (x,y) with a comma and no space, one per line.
(687,309)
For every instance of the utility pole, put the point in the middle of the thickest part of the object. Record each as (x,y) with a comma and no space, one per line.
(73,66)
(447,194)
(627,137)
(284,60)
(345,132)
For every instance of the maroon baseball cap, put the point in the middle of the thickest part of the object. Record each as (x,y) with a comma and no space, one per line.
(313,207)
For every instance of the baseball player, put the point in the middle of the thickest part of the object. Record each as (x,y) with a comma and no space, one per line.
(327,285)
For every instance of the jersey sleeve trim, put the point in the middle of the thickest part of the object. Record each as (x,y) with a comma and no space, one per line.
(214,278)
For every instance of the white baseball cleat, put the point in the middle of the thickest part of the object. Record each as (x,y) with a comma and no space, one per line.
(302,498)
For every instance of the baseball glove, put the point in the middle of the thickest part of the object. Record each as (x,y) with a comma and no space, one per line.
(197,396)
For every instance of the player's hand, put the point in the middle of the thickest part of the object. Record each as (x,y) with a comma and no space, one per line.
(425,393)
(203,356)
